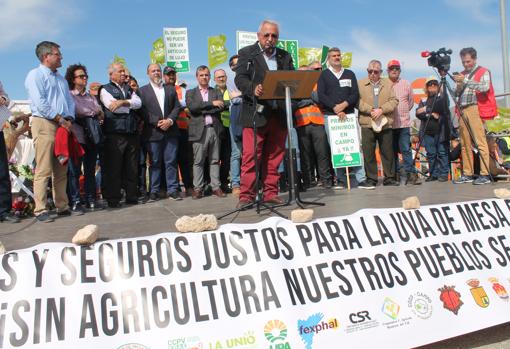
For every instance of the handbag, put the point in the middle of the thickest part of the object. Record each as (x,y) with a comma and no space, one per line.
(93,130)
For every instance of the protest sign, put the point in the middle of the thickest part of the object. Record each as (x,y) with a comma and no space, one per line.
(344,140)
(176,48)
(244,39)
(217,50)
(385,278)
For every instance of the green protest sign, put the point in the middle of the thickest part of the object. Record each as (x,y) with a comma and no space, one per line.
(118,59)
(216,50)
(176,48)
(157,53)
(344,141)
(308,55)
(292,47)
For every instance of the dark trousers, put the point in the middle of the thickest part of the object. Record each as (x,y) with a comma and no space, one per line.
(120,166)
(164,154)
(88,160)
(185,159)
(225,153)
(437,156)
(313,147)
(384,139)
(142,168)
(5,181)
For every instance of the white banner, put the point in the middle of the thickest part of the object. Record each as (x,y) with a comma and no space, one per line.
(385,278)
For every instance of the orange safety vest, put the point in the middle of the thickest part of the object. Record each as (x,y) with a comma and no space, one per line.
(487,106)
(311,114)
(182,118)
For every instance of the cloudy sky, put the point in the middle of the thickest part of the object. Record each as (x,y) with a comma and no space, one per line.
(92,32)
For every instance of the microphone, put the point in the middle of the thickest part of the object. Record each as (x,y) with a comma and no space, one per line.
(425,54)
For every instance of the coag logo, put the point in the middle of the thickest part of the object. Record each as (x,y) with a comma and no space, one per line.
(275,332)
(359,317)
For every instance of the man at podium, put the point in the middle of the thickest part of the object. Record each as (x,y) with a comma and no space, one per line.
(268,116)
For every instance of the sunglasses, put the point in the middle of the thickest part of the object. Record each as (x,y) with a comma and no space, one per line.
(274,36)
(432,83)
(82,76)
(394,68)
(370,71)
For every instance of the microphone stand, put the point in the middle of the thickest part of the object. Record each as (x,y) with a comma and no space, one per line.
(258,202)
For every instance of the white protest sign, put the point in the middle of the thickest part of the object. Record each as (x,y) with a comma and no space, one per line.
(176,48)
(344,141)
(384,278)
(244,39)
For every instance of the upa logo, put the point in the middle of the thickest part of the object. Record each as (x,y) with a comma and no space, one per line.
(499,289)
(275,332)
(390,308)
(478,293)
(420,304)
(450,298)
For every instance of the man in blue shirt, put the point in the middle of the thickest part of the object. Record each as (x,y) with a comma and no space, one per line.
(52,106)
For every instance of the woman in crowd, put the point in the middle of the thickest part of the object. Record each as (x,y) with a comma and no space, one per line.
(86,107)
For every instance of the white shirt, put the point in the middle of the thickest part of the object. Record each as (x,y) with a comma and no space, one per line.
(107,99)
(337,75)
(159,90)
(271,60)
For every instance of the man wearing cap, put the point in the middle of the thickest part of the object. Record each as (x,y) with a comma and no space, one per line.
(185,152)
(477,103)
(435,130)
(376,106)
(402,122)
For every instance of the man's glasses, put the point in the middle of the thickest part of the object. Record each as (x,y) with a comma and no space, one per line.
(432,83)
(274,36)
(370,71)
(394,68)
(82,76)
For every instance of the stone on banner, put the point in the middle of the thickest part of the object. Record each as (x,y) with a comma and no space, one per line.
(86,235)
(301,216)
(411,203)
(502,193)
(202,222)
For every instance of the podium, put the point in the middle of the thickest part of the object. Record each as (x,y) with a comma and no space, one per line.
(288,85)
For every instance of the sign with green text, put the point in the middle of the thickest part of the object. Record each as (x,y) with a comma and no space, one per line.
(344,141)
(176,48)
(292,47)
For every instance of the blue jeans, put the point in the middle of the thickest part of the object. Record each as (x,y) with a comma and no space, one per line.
(437,156)
(359,171)
(235,160)
(164,151)
(89,171)
(402,145)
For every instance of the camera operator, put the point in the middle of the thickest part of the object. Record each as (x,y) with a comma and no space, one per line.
(435,130)
(477,102)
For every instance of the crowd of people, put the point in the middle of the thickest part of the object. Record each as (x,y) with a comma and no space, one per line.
(201,141)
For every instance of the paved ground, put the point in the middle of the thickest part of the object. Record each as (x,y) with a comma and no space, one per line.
(152,218)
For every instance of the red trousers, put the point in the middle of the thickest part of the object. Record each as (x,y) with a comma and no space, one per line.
(270,153)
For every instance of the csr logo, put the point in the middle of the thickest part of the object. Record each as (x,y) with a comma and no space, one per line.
(360,316)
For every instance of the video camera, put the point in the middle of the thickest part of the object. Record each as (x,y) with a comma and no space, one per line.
(439,59)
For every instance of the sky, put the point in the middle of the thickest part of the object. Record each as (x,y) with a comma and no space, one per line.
(92,32)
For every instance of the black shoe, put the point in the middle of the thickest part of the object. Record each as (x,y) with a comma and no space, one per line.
(327,185)
(366,185)
(132,202)
(431,179)
(64,213)
(391,182)
(9,218)
(44,218)
(443,179)
(153,197)
(113,204)
(175,196)
(77,209)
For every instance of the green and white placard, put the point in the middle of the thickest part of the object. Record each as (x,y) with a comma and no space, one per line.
(176,48)
(344,141)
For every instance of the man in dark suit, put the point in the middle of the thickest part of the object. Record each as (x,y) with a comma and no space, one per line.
(160,108)
(269,114)
(205,129)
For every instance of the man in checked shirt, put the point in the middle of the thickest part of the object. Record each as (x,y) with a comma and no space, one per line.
(477,102)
